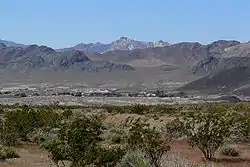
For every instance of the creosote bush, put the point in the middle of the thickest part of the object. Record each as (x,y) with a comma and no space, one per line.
(173,129)
(79,143)
(19,123)
(148,140)
(8,153)
(208,129)
(135,158)
(229,151)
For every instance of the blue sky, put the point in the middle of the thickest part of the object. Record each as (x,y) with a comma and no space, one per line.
(62,23)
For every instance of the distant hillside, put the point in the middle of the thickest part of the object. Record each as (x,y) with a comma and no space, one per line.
(36,57)
(229,72)
(222,82)
(221,66)
(10,43)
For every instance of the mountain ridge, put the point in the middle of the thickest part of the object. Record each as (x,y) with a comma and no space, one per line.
(34,57)
(123,43)
(210,63)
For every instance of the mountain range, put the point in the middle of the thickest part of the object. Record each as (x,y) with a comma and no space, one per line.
(221,67)
(123,43)
(34,57)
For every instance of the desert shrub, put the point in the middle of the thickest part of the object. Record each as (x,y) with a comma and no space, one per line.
(116,138)
(67,113)
(164,109)
(229,151)
(78,142)
(82,136)
(116,130)
(109,157)
(40,135)
(242,129)
(208,129)
(173,129)
(10,152)
(8,137)
(142,137)
(139,109)
(59,151)
(48,118)
(1,110)
(19,123)
(2,156)
(134,159)
(114,135)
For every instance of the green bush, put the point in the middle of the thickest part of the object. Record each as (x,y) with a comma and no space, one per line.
(116,138)
(78,142)
(209,128)
(139,109)
(229,151)
(142,137)
(116,135)
(109,157)
(8,136)
(2,156)
(10,152)
(134,159)
(173,129)
(19,123)
(67,113)
(1,110)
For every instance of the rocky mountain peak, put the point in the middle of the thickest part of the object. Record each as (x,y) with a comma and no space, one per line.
(32,47)
(161,43)
(46,49)
(125,43)
(123,40)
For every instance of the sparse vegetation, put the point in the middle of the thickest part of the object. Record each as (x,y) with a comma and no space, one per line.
(85,138)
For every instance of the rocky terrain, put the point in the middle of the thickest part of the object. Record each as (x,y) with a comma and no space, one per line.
(221,67)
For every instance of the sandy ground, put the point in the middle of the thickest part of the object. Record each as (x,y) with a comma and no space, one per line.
(32,156)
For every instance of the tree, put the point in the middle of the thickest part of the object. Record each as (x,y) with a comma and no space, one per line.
(209,128)
(142,137)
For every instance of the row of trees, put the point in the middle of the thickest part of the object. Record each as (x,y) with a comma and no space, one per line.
(78,139)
